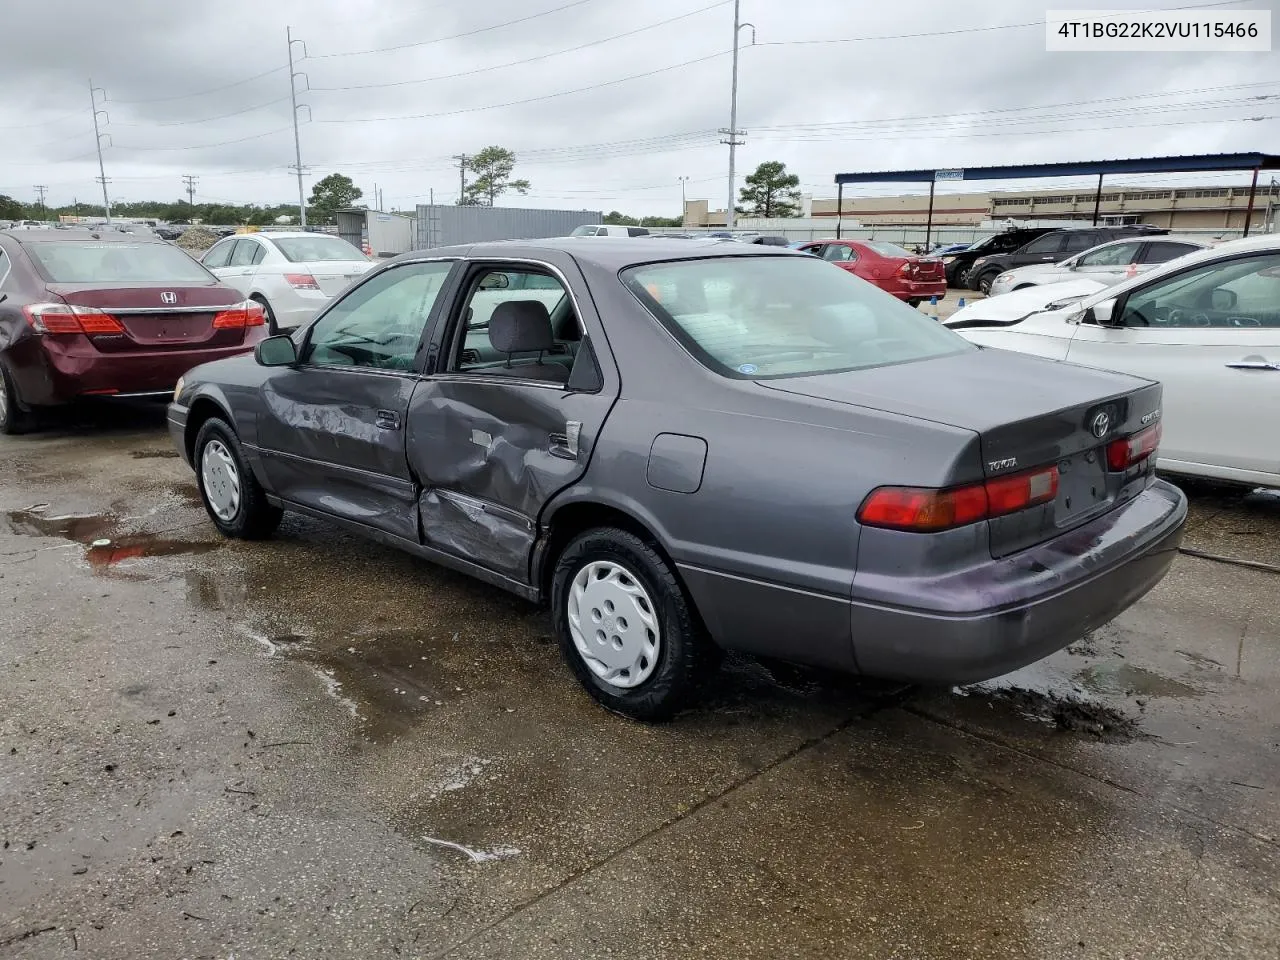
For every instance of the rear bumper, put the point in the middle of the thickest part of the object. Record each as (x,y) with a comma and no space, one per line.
(1033,603)
(916,289)
(50,377)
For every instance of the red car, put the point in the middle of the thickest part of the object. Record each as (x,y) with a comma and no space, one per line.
(109,314)
(887,265)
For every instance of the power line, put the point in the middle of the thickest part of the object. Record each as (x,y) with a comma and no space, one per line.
(456,36)
(43,123)
(207,146)
(527,60)
(202,93)
(222,116)
(538,99)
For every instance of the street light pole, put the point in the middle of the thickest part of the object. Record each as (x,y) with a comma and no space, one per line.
(683,201)
(732,132)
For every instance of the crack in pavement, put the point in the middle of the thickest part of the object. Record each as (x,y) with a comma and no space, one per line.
(887,702)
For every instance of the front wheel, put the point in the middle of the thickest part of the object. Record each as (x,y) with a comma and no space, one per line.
(625,626)
(984,283)
(235,501)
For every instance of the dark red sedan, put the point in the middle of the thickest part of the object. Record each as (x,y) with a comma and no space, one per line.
(107,314)
(887,265)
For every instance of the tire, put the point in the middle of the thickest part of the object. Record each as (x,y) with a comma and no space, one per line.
(272,329)
(984,281)
(914,302)
(959,277)
(247,515)
(13,419)
(684,654)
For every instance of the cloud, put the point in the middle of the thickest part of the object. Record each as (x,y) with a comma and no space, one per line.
(203,89)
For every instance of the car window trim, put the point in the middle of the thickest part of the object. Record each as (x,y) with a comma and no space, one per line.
(428,327)
(455,314)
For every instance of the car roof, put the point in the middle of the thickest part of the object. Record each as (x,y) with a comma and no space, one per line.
(611,253)
(80,234)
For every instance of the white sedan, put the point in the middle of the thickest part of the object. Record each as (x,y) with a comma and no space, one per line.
(292,274)
(1207,325)
(1107,263)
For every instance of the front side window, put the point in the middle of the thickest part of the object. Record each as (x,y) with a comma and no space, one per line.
(318,247)
(71,261)
(759,317)
(379,324)
(1115,255)
(1049,243)
(1231,293)
(219,254)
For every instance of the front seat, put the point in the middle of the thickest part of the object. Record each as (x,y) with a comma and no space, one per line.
(524,326)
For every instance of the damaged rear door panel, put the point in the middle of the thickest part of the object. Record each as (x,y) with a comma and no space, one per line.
(490,443)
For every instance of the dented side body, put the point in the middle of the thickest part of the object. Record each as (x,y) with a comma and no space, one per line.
(751,488)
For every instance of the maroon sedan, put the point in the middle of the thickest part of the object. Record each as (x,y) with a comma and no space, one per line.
(887,265)
(86,314)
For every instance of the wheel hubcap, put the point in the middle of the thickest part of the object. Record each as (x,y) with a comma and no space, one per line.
(613,624)
(220,479)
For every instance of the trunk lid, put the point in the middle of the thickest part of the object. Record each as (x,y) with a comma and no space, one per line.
(1027,412)
(332,276)
(156,315)
(925,268)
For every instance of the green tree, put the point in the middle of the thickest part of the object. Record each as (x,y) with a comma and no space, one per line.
(332,194)
(10,209)
(492,167)
(771,191)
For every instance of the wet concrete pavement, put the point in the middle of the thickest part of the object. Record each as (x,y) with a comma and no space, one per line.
(315,746)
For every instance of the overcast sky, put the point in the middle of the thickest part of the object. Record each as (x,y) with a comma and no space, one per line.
(202,88)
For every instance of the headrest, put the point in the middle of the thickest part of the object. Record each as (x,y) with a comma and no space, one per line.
(520,325)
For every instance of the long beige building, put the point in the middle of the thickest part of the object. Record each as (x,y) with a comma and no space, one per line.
(1180,208)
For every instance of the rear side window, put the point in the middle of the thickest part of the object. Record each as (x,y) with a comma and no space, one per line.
(637,232)
(1159,251)
(886,249)
(244,253)
(1080,241)
(1049,243)
(762,317)
(80,262)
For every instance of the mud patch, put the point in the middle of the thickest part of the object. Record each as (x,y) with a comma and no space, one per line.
(1068,713)
(154,454)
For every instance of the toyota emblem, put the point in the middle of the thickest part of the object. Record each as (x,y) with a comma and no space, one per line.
(1100,424)
(168,297)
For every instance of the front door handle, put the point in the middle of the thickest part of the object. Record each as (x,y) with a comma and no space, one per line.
(387,420)
(1254,365)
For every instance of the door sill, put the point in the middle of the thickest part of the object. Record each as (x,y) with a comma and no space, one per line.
(449,560)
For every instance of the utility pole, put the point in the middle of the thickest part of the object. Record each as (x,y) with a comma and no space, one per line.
(40,190)
(97,141)
(731,132)
(190,181)
(297,142)
(462,159)
(682,180)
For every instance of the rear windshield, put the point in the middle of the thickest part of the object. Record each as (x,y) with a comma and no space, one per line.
(304,249)
(886,249)
(758,317)
(72,261)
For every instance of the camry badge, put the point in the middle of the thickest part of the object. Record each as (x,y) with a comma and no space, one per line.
(1100,424)
(168,297)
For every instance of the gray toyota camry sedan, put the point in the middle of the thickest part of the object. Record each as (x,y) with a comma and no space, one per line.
(689,446)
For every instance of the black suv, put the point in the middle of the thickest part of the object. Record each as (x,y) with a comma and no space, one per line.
(957,264)
(1050,247)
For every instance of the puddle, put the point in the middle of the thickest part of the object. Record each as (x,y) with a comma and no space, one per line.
(1126,680)
(81,528)
(140,546)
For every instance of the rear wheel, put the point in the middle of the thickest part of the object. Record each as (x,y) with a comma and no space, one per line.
(625,626)
(234,499)
(914,302)
(272,329)
(13,419)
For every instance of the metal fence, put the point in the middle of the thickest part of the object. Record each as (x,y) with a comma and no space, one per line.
(443,225)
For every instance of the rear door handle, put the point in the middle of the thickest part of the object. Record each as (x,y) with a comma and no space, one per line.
(1254,365)
(387,420)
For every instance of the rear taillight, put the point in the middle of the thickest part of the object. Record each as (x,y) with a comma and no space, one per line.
(1127,451)
(923,510)
(301,281)
(62,318)
(907,268)
(246,313)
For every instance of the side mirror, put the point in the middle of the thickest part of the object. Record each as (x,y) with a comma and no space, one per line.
(1221,299)
(278,351)
(495,281)
(1103,314)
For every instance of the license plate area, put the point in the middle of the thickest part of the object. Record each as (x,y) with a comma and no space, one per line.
(1082,487)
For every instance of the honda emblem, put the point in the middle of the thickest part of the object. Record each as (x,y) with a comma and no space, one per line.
(168,297)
